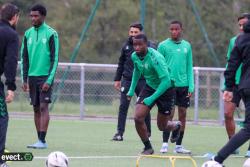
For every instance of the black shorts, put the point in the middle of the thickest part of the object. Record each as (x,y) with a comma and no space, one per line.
(236,96)
(181,97)
(165,102)
(38,96)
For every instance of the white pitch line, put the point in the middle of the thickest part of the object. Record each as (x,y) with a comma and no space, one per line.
(125,157)
(94,157)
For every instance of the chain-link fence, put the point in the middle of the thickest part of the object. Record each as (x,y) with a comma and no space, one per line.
(88,91)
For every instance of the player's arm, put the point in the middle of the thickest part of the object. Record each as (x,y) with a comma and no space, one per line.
(163,86)
(119,70)
(54,51)
(135,77)
(24,62)
(162,71)
(161,49)
(233,64)
(230,48)
(190,72)
(10,66)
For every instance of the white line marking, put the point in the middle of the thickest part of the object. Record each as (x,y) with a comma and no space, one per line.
(94,157)
(125,157)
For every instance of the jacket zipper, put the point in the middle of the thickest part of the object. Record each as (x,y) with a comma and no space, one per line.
(36,34)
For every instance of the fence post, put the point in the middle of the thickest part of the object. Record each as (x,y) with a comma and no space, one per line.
(196,96)
(82,85)
(221,105)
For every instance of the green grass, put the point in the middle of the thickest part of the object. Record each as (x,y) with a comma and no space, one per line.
(68,108)
(92,138)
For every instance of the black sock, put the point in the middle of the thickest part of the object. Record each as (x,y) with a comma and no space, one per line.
(38,135)
(179,141)
(42,137)
(165,136)
(147,144)
(219,159)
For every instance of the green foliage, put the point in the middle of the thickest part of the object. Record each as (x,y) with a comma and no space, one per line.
(109,29)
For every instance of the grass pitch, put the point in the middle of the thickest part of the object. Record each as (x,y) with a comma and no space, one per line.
(88,144)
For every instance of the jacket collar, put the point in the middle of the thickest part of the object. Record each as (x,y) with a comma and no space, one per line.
(41,26)
(7,23)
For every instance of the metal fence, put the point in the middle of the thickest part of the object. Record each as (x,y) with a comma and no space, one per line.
(88,91)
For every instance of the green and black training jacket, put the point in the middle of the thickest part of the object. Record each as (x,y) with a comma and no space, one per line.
(39,53)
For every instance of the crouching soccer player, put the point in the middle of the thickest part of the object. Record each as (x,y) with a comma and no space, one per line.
(152,66)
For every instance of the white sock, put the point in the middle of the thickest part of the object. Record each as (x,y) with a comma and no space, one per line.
(178,146)
(165,144)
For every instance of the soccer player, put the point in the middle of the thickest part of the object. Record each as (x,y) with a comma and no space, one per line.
(229,107)
(178,55)
(152,66)
(239,55)
(39,60)
(123,79)
(8,58)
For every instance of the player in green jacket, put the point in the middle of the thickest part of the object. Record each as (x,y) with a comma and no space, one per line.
(229,107)
(152,66)
(178,55)
(39,60)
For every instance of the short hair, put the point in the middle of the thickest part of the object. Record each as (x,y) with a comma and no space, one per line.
(8,11)
(136,25)
(244,15)
(176,22)
(40,8)
(142,36)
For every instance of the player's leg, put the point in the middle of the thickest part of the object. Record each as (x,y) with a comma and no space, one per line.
(44,121)
(166,135)
(3,126)
(34,97)
(183,102)
(164,123)
(42,99)
(179,148)
(229,108)
(148,123)
(123,110)
(239,138)
(165,104)
(141,112)
(37,114)
(45,99)
(140,85)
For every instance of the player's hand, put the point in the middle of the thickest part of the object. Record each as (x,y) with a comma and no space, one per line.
(227,96)
(147,101)
(45,87)
(117,85)
(25,87)
(10,96)
(189,94)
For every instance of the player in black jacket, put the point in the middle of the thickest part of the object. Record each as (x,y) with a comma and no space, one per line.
(123,80)
(8,65)
(240,54)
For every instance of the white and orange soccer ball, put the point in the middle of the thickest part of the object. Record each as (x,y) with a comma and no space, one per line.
(57,159)
(211,164)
